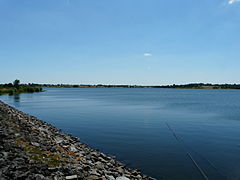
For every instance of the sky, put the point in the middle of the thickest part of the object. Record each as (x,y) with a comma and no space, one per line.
(148,42)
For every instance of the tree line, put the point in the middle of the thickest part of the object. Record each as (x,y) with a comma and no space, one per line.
(17,88)
(183,86)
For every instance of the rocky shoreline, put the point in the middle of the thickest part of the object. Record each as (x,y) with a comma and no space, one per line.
(35,150)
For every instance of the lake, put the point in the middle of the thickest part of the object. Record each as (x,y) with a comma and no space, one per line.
(169,134)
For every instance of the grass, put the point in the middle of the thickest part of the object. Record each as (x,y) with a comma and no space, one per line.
(37,154)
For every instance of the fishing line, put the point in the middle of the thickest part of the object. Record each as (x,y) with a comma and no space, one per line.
(207,160)
(200,155)
(189,155)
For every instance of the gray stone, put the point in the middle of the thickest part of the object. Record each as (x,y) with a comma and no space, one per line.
(71,177)
(94,172)
(99,165)
(73,148)
(58,139)
(122,178)
(110,177)
(119,169)
(5,154)
(39,177)
(17,134)
(92,177)
(35,144)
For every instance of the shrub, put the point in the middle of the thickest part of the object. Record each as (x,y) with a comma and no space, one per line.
(11,91)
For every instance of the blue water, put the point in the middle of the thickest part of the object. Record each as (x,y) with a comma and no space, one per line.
(131,124)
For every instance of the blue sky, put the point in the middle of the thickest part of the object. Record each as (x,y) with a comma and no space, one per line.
(120,41)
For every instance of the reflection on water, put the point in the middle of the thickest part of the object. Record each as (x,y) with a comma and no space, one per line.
(16,98)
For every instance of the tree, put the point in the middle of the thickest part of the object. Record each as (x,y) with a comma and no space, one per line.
(16,83)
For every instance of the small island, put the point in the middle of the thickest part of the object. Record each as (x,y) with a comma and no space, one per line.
(17,88)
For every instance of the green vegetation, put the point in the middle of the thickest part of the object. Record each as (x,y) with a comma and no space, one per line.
(204,86)
(37,154)
(16,84)
(17,88)
(184,86)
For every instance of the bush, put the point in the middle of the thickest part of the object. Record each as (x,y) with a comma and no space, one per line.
(11,91)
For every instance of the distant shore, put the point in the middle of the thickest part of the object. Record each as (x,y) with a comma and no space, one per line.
(33,149)
(184,86)
(33,87)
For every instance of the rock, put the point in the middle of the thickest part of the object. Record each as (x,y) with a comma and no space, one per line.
(39,177)
(5,154)
(102,160)
(122,178)
(58,178)
(96,154)
(44,130)
(24,175)
(120,170)
(86,168)
(99,165)
(35,144)
(33,149)
(94,172)
(110,177)
(17,134)
(93,177)
(73,148)
(72,177)
(139,176)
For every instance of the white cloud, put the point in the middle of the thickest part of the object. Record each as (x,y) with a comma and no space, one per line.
(147,54)
(233,1)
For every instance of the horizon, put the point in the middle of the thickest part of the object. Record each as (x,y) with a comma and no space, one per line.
(127,42)
(81,84)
